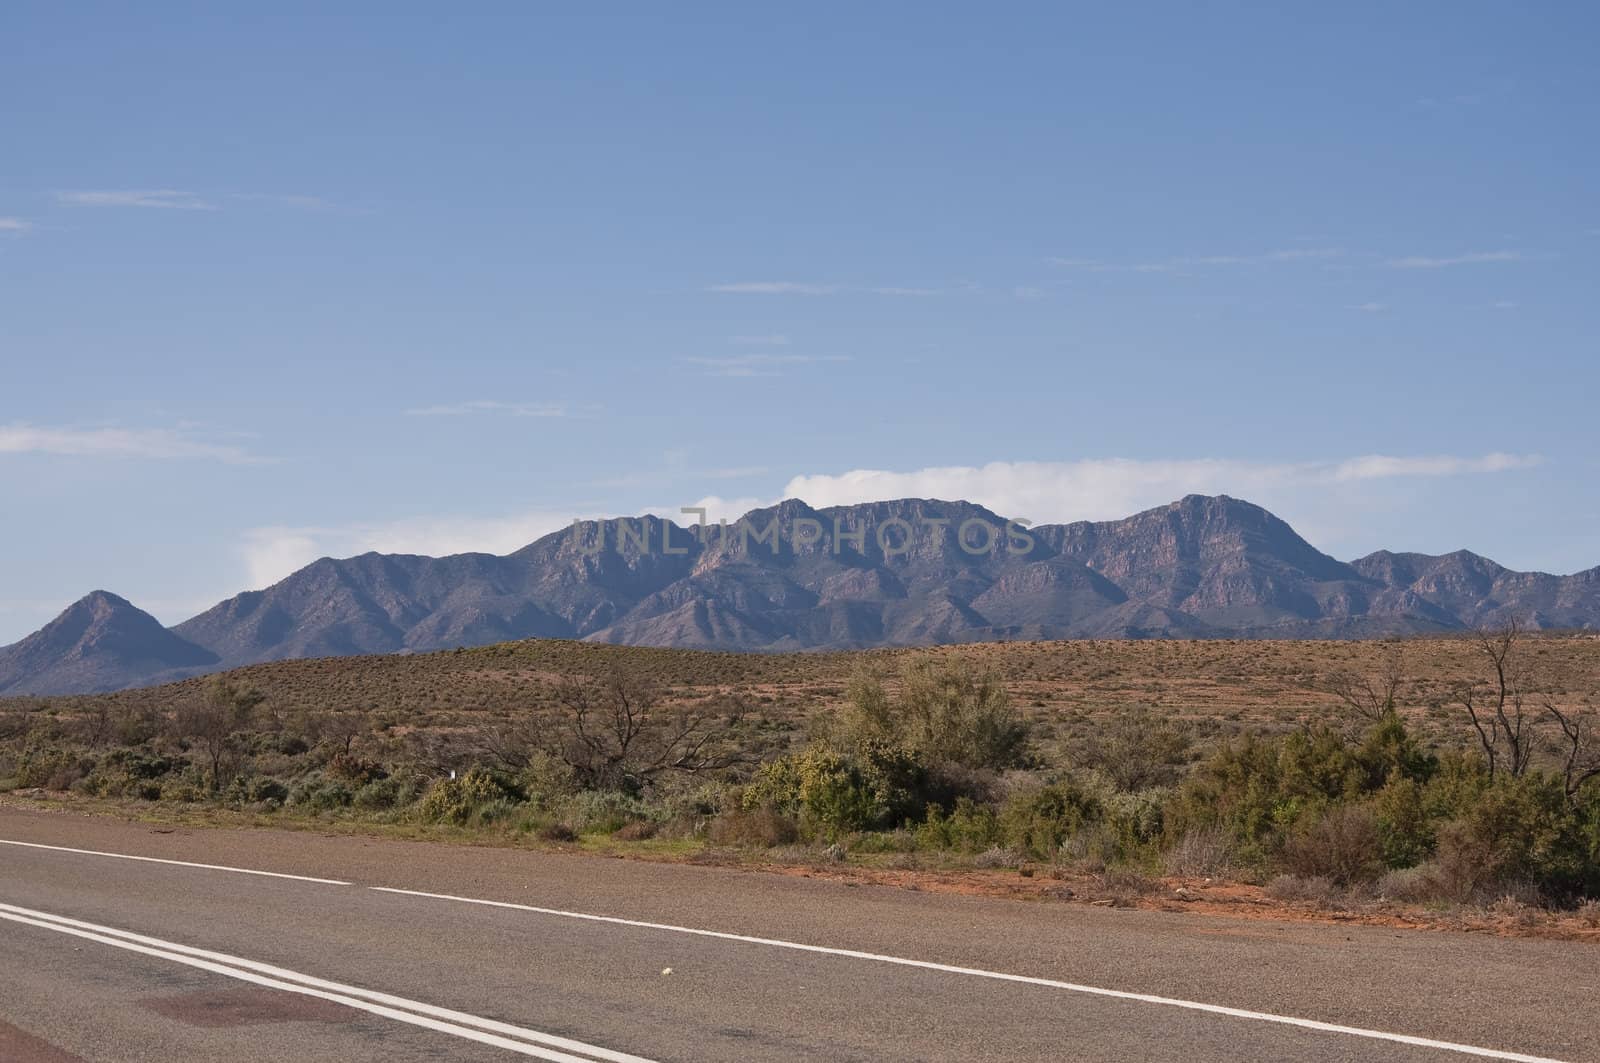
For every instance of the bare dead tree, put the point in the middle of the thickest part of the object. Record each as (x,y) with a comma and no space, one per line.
(340,730)
(97,724)
(1507,734)
(1581,761)
(617,734)
(1370,695)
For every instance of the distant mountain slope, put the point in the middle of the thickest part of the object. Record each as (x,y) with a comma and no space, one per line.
(101,642)
(904,572)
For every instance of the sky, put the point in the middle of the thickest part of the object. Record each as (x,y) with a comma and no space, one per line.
(282,283)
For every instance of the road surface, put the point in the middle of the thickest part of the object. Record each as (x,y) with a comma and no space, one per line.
(123,942)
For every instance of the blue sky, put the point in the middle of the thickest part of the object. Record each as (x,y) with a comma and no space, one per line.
(280,285)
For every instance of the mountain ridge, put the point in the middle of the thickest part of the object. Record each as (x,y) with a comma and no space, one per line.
(793,577)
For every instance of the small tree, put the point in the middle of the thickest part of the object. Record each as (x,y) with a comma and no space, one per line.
(1581,749)
(1370,696)
(211,725)
(1507,733)
(340,730)
(947,713)
(1137,749)
(616,734)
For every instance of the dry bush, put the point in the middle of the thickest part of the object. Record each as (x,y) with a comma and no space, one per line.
(636,831)
(1318,889)
(1343,845)
(757,828)
(997,857)
(1201,852)
(557,832)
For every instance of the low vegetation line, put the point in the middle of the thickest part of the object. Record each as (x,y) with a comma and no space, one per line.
(1486,799)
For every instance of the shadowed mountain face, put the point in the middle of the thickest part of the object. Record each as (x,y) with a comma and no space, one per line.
(790,577)
(101,642)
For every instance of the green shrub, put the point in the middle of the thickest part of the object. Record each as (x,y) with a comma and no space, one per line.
(380,794)
(51,769)
(1038,821)
(969,828)
(1406,832)
(454,800)
(604,812)
(834,794)
(1520,831)
(321,795)
(1137,750)
(1261,791)
(264,789)
(947,712)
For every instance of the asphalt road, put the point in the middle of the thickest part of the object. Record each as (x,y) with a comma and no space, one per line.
(411,951)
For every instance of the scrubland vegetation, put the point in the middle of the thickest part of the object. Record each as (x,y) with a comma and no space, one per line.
(1480,787)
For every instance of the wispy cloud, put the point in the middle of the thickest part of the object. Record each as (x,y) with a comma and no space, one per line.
(513,409)
(807,288)
(1180,263)
(750,365)
(771,339)
(1471,258)
(15,225)
(1104,489)
(145,443)
(1370,308)
(158,198)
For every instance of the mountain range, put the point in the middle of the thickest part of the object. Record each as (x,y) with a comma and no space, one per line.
(790,577)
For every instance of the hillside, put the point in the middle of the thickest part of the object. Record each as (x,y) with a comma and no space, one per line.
(1275,682)
(901,573)
(96,644)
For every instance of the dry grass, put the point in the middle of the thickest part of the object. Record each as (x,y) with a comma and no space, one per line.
(1065,687)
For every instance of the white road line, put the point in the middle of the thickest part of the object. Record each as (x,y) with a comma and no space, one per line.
(178,863)
(978,972)
(443,1020)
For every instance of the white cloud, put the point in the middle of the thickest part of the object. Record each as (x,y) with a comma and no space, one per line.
(1103,489)
(15,225)
(1370,308)
(753,365)
(717,508)
(773,339)
(1470,259)
(23,438)
(273,552)
(158,198)
(1377,466)
(1042,492)
(515,409)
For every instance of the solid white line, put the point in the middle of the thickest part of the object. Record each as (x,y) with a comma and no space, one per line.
(978,972)
(461,1024)
(178,863)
